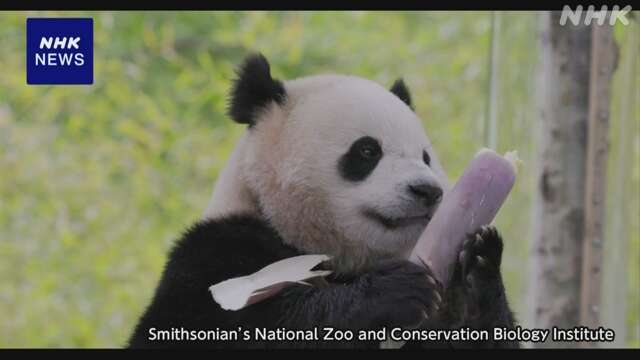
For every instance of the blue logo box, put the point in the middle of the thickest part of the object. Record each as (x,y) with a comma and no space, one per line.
(59,51)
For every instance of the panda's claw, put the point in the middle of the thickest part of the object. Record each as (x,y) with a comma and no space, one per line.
(462,257)
(438,297)
(481,261)
(478,241)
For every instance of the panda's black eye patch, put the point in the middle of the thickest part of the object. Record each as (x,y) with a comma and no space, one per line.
(426,158)
(363,156)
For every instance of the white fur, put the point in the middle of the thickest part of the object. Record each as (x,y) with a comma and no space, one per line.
(229,194)
(285,168)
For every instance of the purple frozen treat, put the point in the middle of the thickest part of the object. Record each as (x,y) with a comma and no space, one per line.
(472,203)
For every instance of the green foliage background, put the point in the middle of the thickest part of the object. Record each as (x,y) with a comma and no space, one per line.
(97,181)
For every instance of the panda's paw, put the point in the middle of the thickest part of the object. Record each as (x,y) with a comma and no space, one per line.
(401,294)
(480,257)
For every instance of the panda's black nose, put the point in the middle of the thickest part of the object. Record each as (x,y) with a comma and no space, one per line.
(429,193)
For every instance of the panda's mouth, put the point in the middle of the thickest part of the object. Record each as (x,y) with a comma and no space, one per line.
(397,222)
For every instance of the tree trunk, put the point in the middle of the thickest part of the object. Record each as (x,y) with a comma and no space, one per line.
(559,207)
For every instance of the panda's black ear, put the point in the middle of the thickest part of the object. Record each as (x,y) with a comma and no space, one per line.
(400,90)
(254,89)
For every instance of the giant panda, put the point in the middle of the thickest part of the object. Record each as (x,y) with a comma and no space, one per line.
(336,165)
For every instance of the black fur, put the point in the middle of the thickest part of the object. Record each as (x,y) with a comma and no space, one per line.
(393,294)
(360,160)
(254,89)
(476,297)
(426,158)
(399,88)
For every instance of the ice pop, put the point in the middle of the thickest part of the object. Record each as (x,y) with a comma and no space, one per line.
(472,202)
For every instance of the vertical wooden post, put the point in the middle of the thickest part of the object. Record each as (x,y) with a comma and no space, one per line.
(603,63)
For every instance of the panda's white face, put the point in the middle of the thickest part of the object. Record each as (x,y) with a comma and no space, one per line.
(343,167)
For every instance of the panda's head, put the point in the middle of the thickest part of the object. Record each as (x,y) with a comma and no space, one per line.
(339,165)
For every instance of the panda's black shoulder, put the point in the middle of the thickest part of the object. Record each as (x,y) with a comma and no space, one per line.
(208,252)
(230,245)
(227,233)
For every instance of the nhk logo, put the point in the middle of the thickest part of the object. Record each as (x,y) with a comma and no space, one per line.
(59,51)
(56,58)
(575,16)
